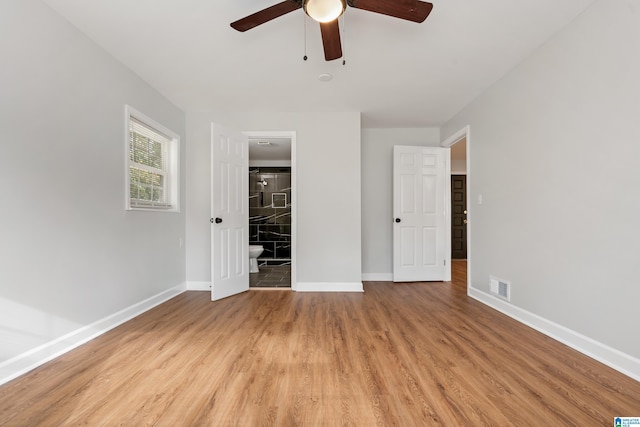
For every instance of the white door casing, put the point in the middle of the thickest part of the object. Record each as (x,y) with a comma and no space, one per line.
(229,212)
(420,175)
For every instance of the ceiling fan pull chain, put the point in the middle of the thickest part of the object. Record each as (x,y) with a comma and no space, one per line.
(304,17)
(344,38)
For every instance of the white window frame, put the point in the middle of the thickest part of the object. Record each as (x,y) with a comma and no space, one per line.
(171,171)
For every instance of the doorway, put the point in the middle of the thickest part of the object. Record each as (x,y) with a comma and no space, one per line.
(458,217)
(459,143)
(272,208)
(459,201)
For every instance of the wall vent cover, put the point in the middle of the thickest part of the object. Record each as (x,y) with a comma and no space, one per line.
(501,288)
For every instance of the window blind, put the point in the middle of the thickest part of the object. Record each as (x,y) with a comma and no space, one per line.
(147,166)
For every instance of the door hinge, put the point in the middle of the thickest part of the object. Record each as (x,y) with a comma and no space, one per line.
(445,262)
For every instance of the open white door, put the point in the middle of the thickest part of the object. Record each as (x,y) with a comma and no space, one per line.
(229,212)
(419,202)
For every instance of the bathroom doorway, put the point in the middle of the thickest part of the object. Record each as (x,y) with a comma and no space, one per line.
(272,208)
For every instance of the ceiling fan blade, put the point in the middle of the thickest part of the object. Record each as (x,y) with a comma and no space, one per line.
(408,4)
(266,15)
(331,40)
(396,9)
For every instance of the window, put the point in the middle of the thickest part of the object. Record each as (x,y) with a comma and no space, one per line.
(152,164)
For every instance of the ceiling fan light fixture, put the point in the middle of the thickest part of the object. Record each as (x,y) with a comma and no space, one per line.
(324,10)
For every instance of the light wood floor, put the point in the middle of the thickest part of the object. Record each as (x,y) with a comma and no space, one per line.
(401,355)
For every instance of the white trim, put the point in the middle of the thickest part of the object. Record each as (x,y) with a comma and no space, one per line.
(329,287)
(447,143)
(377,277)
(294,196)
(198,286)
(458,173)
(447,215)
(25,362)
(611,357)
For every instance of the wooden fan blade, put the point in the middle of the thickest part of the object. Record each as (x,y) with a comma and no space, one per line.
(396,9)
(408,4)
(331,40)
(266,15)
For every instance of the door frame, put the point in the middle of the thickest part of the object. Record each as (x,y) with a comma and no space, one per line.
(294,198)
(465,132)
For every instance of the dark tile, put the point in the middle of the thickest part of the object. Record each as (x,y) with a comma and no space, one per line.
(283,216)
(253,200)
(279,201)
(275,233)
(253,182)
(269,249)
(268,226)
(283,250)
(271,277)
(283,181)
(259,215)
(253,234)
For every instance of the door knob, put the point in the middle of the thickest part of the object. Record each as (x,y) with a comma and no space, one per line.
(217,220)
(398,220)
(465,221)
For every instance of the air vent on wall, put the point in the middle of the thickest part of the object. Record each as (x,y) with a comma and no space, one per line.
(501,288)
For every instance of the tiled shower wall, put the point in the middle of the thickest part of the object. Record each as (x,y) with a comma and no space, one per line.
(270,213)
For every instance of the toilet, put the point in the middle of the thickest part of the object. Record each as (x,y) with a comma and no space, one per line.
(254,252)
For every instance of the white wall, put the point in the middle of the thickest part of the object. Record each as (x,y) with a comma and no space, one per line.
(377,194)
(69,252)
(328,192)
(555,152)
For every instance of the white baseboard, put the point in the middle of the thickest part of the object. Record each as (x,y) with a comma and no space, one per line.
(33,358)
(611,357)
(199,286)
(329,287)
(377,277)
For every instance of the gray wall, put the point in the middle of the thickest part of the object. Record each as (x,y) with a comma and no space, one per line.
(69,252)
(327,186)
(377,194)
(555,152)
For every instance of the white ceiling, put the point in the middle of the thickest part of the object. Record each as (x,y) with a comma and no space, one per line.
(397,73)
(270,149)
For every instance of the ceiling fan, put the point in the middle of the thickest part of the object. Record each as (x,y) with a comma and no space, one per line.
(327,12)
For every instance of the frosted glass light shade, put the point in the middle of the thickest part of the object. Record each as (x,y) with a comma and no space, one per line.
(324,10)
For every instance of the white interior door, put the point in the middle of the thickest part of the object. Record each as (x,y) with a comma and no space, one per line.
(229,212)
(419,211)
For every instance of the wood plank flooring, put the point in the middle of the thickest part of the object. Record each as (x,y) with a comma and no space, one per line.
(414,354)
